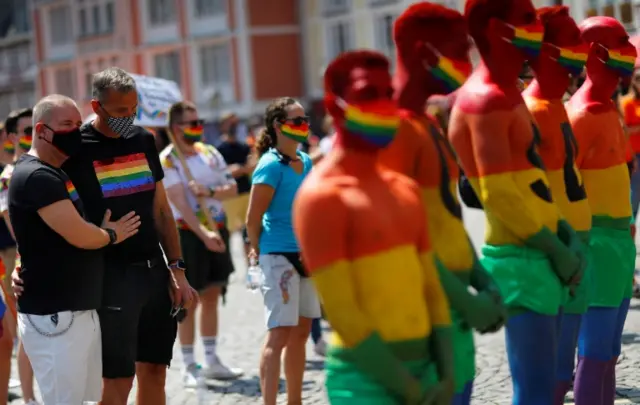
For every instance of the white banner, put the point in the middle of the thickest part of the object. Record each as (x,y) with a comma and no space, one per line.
(155,96)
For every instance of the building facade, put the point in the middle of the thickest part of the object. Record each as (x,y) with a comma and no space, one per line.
(225,54)
(18,69)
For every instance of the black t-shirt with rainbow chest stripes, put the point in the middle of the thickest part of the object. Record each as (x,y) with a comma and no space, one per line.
(119,174)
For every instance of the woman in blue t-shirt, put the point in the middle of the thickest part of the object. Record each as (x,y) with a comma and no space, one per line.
(290,299)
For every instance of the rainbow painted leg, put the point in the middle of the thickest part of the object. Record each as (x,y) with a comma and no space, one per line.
(464,397)
(595,348)
(610,377)
(567,345)
(532,350)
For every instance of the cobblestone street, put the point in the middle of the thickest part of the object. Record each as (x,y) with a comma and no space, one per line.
(242,333)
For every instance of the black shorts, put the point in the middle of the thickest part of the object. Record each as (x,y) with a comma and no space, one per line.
(135,317)
(204,267)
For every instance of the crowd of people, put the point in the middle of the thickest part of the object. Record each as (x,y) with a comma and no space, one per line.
(114,236)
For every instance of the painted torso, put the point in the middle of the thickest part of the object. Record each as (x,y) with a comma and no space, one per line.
(601,161)
(421,152)
(558,149)
(496,139)
(379,256)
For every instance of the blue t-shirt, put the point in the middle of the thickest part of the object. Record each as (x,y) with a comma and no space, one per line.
(277,227)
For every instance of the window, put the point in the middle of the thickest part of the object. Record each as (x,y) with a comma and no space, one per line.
(21,20)
(161,11)
(208,8)
(383,29)
(167,66)
(339,39)
(95,18)
(88,83)
(336,6)
(60,25)
(82,18)
(215,65)
(108,11)
(64,82)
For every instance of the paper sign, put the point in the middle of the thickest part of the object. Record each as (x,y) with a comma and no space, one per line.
(155,96)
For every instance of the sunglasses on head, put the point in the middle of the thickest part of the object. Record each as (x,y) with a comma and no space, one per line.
(194,123)
(297,120)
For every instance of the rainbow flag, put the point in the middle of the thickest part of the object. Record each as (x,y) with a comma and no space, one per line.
(124,175)
(622,60)
(25,142)
(528,38)
(71,189)
(298,133)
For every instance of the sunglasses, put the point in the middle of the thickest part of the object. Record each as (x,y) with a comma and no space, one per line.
(194,123)
(297,120)
(27,131)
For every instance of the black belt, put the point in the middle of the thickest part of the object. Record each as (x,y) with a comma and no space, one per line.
(296,261)
(149,264)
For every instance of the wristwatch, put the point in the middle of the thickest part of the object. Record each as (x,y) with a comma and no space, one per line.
(177,264)
(113,237)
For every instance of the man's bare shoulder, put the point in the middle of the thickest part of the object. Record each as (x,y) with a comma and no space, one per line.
(478,97)
(398,181)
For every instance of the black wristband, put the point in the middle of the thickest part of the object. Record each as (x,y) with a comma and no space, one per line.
(113,237)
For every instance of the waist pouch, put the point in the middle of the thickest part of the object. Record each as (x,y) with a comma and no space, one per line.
(295,259)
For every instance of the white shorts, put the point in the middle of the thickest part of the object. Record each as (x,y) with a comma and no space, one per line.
(287,296)
(66,355)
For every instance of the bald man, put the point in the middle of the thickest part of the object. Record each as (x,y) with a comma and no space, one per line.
(62,268)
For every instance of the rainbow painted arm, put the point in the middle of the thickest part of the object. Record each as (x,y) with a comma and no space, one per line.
(323,241)
(441,340)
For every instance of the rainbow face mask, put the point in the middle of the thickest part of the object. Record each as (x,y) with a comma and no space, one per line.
(25,142)
(623,60)
(573,58)
(527,38)
(451,73)
(193,134)
(375,122)
(295,128)
(9,147)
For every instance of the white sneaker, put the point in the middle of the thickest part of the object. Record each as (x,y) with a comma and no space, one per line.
(191,376)
(218,371)
(320,348)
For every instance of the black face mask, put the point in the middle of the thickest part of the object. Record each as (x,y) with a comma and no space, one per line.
(67,142)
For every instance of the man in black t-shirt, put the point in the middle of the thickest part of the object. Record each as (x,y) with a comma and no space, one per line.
(240,162)
(118,169)
(61,260)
